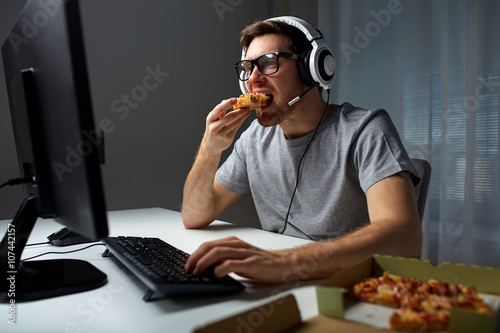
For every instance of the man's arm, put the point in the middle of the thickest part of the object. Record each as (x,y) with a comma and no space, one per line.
(394,230)
(204,199)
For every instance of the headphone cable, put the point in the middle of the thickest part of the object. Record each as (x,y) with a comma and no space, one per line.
(298,173)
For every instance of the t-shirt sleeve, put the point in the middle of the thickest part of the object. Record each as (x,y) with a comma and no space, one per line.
(379,152)
(232,174)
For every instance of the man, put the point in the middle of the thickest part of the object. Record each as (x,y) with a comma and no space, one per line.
(333,173)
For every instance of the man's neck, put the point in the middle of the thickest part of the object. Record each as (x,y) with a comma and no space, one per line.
(305,118)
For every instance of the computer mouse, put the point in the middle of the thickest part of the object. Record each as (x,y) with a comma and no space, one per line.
(65,237)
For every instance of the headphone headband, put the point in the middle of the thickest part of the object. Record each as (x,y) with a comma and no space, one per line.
(308,30)
(318,67)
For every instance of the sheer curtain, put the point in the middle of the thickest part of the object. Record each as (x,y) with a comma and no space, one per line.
(434,66)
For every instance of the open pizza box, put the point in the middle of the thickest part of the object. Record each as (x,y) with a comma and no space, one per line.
(337,314)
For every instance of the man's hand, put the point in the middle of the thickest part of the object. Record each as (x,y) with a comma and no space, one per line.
(221,127)
(231,254)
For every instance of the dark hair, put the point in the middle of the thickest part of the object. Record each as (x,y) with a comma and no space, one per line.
(297,41)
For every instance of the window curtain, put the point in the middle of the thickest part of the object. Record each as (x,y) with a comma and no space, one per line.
(434,66)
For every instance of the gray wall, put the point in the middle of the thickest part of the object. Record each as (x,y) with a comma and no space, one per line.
(152,146)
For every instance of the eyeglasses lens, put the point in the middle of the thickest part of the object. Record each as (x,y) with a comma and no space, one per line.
(267,64)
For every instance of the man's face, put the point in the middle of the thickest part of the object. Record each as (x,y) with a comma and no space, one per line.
(284,85)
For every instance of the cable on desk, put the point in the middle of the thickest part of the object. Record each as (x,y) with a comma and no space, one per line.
(33,244)
(18,181)
(64,252)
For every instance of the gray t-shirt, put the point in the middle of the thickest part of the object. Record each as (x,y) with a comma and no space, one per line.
(353,149)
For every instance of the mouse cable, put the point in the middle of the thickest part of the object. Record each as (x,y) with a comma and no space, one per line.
(18,181)
(33,244)
(64,252)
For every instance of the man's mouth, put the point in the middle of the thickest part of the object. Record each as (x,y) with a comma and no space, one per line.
(263,108)
(271,97)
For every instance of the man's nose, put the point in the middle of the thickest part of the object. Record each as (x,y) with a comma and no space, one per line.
(255,77)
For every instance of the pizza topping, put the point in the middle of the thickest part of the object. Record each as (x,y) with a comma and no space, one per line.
(421,305)
(253,101)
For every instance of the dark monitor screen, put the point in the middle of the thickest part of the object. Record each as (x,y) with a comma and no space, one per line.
(56,140)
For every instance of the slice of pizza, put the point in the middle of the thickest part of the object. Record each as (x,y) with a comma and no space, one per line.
(381,290)
(253,101)
(410,320)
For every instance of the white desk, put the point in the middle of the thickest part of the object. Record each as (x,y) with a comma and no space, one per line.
(118,306)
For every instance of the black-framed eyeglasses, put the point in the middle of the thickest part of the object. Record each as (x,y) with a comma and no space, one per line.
(267,64)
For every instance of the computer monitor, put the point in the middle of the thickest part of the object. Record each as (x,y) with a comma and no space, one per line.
(57,145)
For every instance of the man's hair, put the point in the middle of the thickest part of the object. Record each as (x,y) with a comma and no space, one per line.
(297,41)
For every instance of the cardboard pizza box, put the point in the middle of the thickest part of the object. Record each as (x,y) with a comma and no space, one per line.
(332,303)
(336,314)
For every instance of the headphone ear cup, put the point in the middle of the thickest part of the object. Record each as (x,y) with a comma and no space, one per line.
(303,68)
(325,66)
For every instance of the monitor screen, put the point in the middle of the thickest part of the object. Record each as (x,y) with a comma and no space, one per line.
(57,143)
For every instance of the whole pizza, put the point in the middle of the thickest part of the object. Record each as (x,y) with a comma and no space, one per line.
(421,305)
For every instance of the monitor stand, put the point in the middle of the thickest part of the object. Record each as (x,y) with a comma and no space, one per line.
(40,279)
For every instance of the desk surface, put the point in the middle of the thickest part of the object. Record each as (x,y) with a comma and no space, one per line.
(118,306)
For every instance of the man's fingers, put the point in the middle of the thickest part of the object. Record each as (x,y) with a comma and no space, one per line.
(235,124)
(218,254)
(243,268)
(220,110)
(204,250)
(224,124)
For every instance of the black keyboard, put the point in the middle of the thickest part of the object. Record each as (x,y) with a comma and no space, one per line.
(160,266)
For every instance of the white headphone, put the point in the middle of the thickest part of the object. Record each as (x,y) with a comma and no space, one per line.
(316,66)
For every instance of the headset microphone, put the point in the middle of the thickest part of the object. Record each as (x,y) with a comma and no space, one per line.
(296,99)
